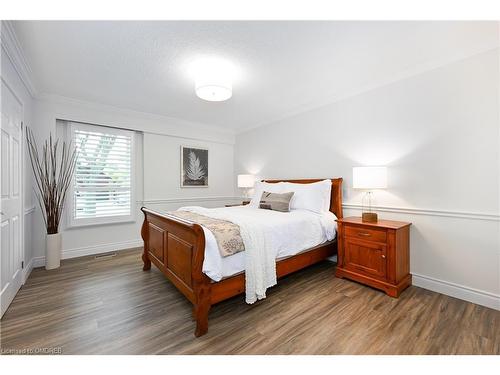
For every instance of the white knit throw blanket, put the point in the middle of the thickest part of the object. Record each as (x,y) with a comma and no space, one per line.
(260,258)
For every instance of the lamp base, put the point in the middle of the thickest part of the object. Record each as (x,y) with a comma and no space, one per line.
(369,217)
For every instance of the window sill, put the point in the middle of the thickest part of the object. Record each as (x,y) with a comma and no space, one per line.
(72,226)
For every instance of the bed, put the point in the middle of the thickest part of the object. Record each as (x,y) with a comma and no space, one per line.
(178,248)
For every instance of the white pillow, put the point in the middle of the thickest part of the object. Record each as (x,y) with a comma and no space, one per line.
(313,197)
(260,187)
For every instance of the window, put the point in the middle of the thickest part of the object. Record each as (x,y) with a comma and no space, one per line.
(103,182)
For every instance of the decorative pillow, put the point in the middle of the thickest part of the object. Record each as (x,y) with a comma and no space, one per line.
(260,186)
(313,197)
(276,201)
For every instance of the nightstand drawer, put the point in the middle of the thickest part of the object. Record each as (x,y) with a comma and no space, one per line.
(366,258)
(367,234)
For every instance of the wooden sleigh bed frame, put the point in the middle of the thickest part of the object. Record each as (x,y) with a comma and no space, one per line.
(177,248)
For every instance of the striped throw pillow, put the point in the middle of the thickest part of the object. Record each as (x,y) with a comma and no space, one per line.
(275,201)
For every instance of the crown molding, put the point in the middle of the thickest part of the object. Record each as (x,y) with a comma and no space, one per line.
(374,85)
(54,98)
(12,47)
(10,44)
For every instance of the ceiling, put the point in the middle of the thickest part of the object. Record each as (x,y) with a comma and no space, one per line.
(283,67)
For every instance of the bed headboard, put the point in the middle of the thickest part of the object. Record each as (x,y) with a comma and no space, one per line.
(336,197)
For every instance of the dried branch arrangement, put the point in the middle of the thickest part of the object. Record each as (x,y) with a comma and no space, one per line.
(53,172)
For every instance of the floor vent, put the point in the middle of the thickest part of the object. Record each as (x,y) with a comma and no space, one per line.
(105,256)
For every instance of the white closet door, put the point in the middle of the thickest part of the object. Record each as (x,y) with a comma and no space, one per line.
(11,218)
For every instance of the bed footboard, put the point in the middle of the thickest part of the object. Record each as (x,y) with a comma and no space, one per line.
(177,248)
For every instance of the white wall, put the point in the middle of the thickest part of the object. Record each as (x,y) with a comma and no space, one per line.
(438,133)
(13,80)
(162,177)
(157,170)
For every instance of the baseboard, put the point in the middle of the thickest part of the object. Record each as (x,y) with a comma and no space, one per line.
(38,262)
(91,250)
(28,268)
(99,249)
(476,296)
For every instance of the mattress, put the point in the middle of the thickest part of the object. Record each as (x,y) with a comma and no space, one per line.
(289,232)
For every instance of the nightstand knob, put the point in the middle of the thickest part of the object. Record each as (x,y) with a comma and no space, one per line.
(383,256)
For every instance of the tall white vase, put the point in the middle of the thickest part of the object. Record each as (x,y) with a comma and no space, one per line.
(53,251)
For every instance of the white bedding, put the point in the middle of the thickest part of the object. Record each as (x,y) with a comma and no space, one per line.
(288,232)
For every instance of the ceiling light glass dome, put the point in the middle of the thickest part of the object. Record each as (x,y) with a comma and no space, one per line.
(213,78)
(214,91)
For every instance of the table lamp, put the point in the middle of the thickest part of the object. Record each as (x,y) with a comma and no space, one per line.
(246,181)
(369,178)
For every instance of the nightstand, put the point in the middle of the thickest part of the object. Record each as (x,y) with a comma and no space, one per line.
(375,254)
(244,203)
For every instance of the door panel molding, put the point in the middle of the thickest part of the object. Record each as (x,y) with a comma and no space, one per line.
(11,196)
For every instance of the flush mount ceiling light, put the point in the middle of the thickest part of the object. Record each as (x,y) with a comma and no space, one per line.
(213,79)
(213,90)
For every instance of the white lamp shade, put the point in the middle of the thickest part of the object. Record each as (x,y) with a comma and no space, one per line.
(246,180)
(369,177)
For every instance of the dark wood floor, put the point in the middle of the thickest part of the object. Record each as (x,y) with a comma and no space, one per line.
(110,306)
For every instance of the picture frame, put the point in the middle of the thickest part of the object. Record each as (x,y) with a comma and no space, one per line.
(194,167)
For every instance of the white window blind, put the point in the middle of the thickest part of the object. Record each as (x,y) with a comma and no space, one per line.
(103,180)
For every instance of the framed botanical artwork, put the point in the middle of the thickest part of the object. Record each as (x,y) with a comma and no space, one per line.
(194,167)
